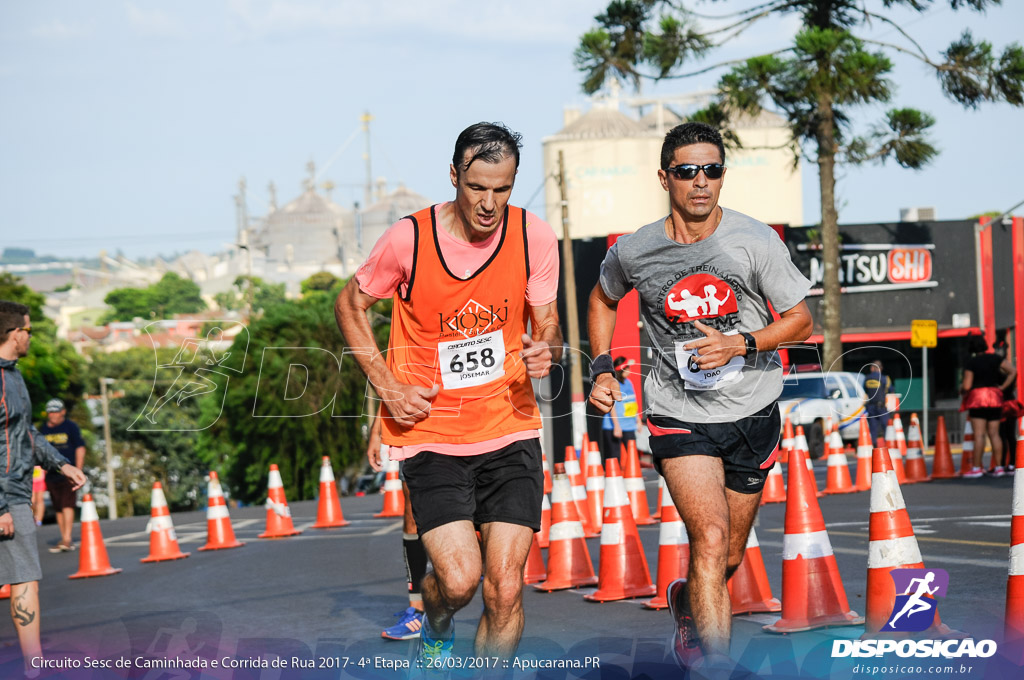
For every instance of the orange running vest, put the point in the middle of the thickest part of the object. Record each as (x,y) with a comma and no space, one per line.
(464,335)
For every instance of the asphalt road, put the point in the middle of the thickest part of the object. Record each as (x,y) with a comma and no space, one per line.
(322,598)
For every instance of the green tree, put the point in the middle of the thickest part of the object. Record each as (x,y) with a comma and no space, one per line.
(322,281)
(52,367)
(264,294)
(171,295)
(163,450)
(298,399)
(817,83)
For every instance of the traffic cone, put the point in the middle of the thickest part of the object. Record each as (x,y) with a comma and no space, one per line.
(1014,621)
(579,492)
(942,462)
(547,471)
(967,459)
(394,499)
(534,571)
(633,479)
(163,542)
(545,522)
(279,515)
(895,455)
(774,486)
(812,590)
(623,569)
(800,442)
(914,465)
(595,488)
(5,592)
(92,560)
(219,534)
(661,491)
(901,446)
(673,552)
(864,449)
(787,439)
(749,590)
(838,480)
(892,545)
(328,509)
(568,558)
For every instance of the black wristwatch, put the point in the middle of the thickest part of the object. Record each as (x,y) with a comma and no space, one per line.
(750,343)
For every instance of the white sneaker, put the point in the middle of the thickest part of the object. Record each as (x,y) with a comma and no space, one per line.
(975,473)
(1000,471)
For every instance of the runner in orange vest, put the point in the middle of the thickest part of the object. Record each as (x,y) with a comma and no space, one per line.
(465,277)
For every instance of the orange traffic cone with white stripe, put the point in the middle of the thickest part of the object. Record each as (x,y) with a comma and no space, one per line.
(895,455)
(92,560)
(579,492)
(864,449)
(800,442)
(595,488)
(942,461)
(535,571)
(812,590)
(838,477)
(787,440)
(892,545)
(279,515)
(749,589)
(901,446)
(774,486)
(673,552)
(623,569)
(914,465)
(328,509)
(968,461)
(1014,621)
(633,478)
(394,498)
(163,542)
(219,533)
(1014,626)
(545,522)
(569,563)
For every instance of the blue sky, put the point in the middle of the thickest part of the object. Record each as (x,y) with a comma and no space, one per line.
(126,124)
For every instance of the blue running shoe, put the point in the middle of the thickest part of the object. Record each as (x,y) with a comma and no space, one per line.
(685,643)
(436,651)
(408,626)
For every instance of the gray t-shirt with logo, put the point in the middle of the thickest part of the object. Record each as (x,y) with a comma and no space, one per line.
(725,281)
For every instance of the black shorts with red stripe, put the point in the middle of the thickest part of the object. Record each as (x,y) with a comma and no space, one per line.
(746,446)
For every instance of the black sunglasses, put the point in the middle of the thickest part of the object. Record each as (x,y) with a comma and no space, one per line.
(689,170)
(27,329)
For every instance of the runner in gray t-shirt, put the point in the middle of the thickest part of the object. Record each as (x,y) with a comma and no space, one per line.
(705,276)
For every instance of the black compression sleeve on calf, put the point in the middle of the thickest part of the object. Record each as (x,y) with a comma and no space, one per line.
(602,363)
(415,562)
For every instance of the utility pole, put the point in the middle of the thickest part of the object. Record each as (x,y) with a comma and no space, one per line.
(579,413)
(368,189)
(111,490)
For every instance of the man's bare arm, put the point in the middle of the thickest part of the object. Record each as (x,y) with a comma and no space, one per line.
(544,346)
(716,349)
(407,404)
(601,311)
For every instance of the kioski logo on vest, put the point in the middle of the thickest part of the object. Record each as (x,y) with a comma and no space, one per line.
(699,296)
(916,590)
(473,319)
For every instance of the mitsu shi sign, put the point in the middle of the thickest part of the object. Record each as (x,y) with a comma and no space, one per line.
(868,267)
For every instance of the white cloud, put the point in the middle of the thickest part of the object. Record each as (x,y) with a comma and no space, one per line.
(524,22)
(153,22)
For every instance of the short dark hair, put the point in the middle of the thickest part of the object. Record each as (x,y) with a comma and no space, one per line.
(490,143)
(12,315)
(977,344)
(687,134)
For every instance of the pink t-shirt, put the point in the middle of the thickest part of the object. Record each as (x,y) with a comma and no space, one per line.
(387,270)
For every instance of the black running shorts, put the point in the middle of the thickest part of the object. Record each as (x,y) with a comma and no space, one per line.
(745,445)
(506,485)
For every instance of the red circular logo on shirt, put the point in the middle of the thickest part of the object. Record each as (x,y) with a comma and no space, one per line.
(699,297)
